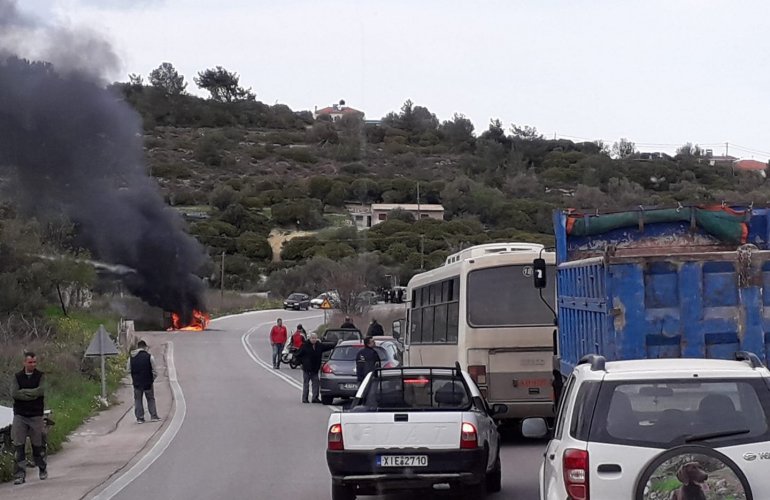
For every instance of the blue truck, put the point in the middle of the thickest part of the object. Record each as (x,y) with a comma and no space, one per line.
(664,283)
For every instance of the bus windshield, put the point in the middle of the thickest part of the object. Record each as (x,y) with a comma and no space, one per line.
(506,296)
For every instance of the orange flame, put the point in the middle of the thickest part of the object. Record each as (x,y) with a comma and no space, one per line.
(199,322)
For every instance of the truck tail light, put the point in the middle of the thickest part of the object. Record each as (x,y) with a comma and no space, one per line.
(327,368)
(575,465)
(468,437)
(478,373)
(335,438)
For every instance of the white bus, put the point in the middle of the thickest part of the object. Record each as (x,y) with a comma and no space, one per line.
(480,308)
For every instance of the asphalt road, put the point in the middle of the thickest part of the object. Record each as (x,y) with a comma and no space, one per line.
(246,435)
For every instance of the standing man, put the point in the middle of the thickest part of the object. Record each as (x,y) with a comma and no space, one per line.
(311,357)
(348,323)
(278,336)
(28,394)
(367,359)
(143,374)
(375,329)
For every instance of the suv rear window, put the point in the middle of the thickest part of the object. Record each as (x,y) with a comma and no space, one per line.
(416,392)
(670,412)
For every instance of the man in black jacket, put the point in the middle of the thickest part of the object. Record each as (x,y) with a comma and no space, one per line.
(367,359)
(375,329)
(28,394)
(143,374)
(311,357)
(348,324)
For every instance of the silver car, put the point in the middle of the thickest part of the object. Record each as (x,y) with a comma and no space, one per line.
(338,374)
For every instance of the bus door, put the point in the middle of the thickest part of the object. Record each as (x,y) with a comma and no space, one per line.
(520,375)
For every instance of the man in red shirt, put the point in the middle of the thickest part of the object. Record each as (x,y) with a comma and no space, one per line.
(278,336)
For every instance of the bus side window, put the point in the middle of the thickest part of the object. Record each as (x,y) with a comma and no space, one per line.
(453,318)
(416,337)
(440,324)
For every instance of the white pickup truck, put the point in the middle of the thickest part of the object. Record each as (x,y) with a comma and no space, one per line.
(410,428)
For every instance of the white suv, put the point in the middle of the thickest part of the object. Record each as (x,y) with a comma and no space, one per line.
(673,429)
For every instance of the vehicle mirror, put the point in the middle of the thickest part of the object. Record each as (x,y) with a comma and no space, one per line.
(538,273)
(396,328)
(534,428)
(498,409)
(656,391)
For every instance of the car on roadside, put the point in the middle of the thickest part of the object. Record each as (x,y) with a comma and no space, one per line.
(338,377)
(333,336)
(414,428)
(297,302)
(332,297)
(368,297)
(658,428)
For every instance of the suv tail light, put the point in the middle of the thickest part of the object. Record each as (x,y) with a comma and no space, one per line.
(478,373)
(335,437)
(327,368)
(575,465)
(468,437)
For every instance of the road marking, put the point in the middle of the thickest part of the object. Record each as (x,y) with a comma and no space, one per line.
(165,440)
(260,362)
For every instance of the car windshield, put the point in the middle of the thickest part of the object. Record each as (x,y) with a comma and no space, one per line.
(341,335)
(349,352)
(680,411)
(296,296)
(416,392)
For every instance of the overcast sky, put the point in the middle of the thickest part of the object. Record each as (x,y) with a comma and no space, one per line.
(658,72)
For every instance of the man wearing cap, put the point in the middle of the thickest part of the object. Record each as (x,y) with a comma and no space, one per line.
(143,374)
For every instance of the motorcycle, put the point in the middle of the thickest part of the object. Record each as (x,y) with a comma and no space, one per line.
(287,356)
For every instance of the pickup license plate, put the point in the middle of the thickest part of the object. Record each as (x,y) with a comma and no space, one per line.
(402,460)
(350,387)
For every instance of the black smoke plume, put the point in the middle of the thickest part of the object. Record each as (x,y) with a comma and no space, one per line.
(77,150)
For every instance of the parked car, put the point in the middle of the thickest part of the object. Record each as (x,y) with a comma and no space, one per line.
(675,427)
(332,297)
(368,297)
(415,427)
(338,374)
(334,336)
(297,301)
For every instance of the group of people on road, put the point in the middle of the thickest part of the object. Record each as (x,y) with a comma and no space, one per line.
(308,350)
(279,334)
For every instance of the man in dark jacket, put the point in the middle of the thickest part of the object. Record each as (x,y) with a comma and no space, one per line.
(28,394)
(143,374)
(375,329)
(311,357)
(348,324)
(367,359)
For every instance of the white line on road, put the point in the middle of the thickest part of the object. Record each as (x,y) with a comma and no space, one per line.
(260,362)
(165,440)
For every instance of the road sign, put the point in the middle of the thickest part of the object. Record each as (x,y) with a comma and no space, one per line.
(101,344)
(326,304)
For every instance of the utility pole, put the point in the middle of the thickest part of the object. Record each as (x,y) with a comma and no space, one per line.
(418,201)
(222,280)
(727,149)
(422,252)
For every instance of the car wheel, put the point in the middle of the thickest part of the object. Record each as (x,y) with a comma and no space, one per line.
(340,492)
(494,477)
(327,400)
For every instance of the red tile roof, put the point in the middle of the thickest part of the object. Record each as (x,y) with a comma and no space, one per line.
(344,110)
(750,165)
